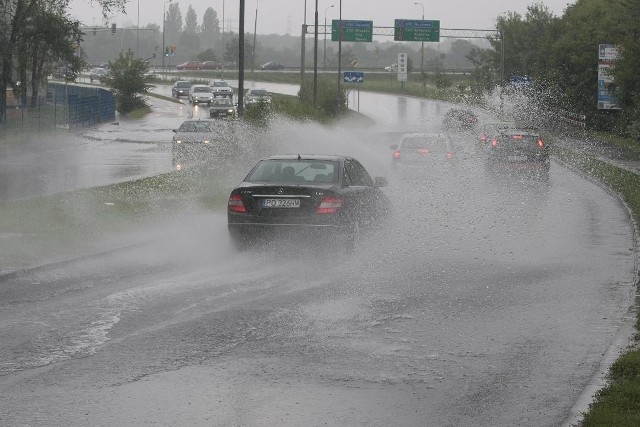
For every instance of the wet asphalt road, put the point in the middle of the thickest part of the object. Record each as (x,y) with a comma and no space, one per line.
(482,300)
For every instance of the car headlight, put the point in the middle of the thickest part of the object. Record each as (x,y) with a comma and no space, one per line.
(206,141)
(229,111)
(178,141)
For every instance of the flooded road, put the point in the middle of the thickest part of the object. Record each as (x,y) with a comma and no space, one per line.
(481,300)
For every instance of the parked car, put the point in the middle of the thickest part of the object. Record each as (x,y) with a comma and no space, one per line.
(221,88)
(181,88)
(200,94)
(420,149)
(211,65)
(272,66)
(459,119)
(256,95)
(222,107)
(518,149)
(305,198)
(190,65)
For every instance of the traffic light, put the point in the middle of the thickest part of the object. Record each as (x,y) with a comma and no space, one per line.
(113,28)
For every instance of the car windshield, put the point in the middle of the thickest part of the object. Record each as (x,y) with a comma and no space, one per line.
(183,84)
(220,84)
(295,171)
(196,126)
(225,102)
(201,89)
(258,92)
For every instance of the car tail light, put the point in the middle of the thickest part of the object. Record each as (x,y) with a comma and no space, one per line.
(235,203)
(517,136)
(494,142)
(329,204)
(540,143)
(483,138)
(396,154)
(450,155)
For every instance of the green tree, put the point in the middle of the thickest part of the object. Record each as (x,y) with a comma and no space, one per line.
(24,35)
(189,39)
(173,25)
(210,29)
(127,78)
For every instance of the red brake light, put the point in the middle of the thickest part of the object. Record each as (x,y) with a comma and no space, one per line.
(235,203)
(494,142)
(517,136)
(329,204)
(540,143)
(396,154)
(483,138)
(450,155)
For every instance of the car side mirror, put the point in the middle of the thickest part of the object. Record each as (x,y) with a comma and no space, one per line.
(380,182)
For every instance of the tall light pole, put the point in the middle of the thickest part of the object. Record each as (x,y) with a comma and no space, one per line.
(324,54)
(417,3)
(164,21)
(255,28)
(138,33)
(223,46)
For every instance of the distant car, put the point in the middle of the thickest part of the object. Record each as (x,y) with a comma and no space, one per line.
(459,119)
(181,88)
(518,149)
(306,198)
(221,88)
(256,96)
(222,107)
(64,73)
(211,65)
(200,94)
(190,65)
(273,66)
(423,149)
(97,73)
(391,68)
(491,129)
(200,140)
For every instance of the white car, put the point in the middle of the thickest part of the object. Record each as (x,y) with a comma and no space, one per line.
(221,88)
(391,68)
(255,96)
(200,94)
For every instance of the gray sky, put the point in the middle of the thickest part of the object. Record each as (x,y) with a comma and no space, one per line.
(286,16)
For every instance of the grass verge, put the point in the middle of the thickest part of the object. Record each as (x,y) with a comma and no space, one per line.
(618,404)
(55,227)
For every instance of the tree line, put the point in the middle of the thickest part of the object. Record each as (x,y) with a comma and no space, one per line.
(560,54)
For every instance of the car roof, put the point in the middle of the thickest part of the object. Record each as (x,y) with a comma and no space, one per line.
(317,157)
(182,81)
(529,132)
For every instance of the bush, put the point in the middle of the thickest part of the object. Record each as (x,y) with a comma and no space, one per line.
(327,97)
(127,78)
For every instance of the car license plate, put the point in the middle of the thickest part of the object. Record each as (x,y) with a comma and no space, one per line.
(517,158)
(281,203)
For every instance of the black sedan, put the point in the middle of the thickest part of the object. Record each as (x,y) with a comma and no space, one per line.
(519,150)
(304,197)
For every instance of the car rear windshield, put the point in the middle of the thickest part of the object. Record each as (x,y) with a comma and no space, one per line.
(295,171)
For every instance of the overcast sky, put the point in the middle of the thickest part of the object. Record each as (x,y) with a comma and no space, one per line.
(287,16)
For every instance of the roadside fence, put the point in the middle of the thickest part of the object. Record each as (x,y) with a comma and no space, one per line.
(64,106)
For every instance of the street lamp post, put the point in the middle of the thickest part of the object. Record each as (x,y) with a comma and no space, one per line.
(422,44)
(324,53)
(255,28)
(223,46)
(164,21)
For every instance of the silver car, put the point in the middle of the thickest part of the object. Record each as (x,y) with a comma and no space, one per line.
(222,107)
(200,94)
(221,88)
(256,96)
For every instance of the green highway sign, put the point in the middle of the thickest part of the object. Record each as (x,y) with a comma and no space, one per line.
(352,31)
(411,30)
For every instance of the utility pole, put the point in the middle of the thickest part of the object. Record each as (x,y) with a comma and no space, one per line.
(241,60)
(315,58)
